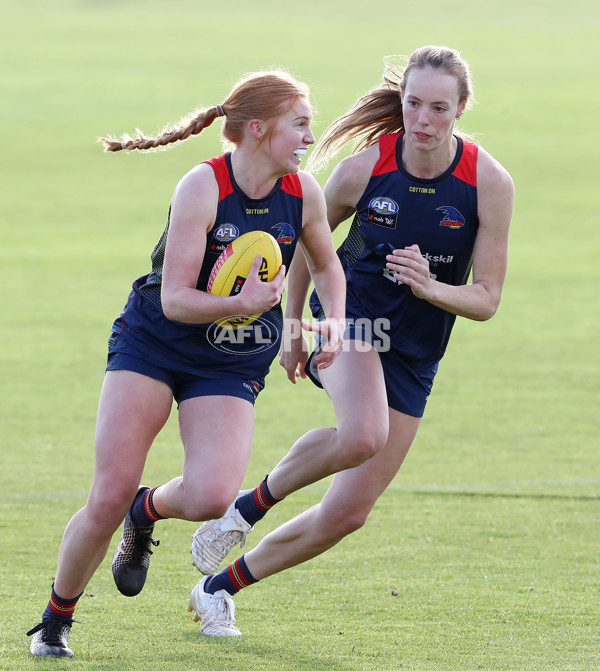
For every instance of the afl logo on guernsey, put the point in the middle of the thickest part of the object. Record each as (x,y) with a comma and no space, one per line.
(383,212)
(248,339)
(222,236)
(452,217)
(285,233)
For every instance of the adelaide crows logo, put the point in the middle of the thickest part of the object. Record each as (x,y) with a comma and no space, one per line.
(452,217)
(285,233)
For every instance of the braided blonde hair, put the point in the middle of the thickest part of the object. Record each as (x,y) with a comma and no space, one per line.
(260,95)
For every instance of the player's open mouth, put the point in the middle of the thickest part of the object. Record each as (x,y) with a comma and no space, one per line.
(299,152)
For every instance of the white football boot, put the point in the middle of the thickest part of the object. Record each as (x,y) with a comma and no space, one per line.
(216,612)
(214,539)
(50,639)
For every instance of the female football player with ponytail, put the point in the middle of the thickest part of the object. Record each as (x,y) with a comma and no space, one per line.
(160,348)
(429,210)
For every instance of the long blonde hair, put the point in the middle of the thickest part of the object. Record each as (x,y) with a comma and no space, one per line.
(260,95)
(379,111)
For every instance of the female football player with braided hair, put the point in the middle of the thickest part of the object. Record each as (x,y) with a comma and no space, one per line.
(161,350)
(428,208)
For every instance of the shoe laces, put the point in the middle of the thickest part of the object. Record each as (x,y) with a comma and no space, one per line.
(53,632)
(230,537)
(225,540)
(222,610)
(143,541)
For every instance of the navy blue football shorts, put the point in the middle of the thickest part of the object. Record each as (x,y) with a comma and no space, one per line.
(187,385)
(407,388)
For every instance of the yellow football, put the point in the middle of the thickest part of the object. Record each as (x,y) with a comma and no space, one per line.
(231,269)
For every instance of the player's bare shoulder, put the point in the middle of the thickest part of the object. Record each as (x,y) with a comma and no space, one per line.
(197,192)
(495,195)
(492,177)
(350,177)
(310,186)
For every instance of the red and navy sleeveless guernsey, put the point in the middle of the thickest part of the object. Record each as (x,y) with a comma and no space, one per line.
(207,349)
(397,210)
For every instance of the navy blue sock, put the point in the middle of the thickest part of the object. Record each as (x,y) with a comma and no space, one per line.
(254,505)
(232,579)
(143,513)
(60,609)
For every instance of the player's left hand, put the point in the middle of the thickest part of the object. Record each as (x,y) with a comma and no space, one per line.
(293,354)
(411,268)
(332,339)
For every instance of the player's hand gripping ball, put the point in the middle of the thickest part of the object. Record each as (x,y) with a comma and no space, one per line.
(231,269)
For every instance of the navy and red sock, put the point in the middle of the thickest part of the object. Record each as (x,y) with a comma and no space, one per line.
(143,513)
(254,505)
(60,609)
(232,579)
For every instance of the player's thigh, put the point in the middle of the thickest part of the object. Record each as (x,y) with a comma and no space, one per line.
(217,437)
(133,408)
(356,385)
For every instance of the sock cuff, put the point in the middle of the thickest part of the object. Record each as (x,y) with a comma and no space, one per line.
(60,606)
(149,508)
(263,497)
(239,574)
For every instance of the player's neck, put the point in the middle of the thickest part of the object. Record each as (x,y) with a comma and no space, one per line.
(254,179)
(429,164)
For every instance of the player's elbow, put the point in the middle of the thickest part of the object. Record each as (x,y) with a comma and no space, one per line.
(170,311)
(492,305)
(481,318)
(482,312)
(171,307)
(487,305)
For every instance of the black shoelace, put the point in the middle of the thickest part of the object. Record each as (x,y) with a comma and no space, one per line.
(53,632)
(142,543)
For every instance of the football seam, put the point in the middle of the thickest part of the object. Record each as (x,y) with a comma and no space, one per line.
(240,258)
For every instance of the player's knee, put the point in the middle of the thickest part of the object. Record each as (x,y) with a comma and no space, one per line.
(341,523)
(360,447)
(108,509)
(352,520)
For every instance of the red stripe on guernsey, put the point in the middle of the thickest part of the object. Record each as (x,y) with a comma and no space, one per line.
(219,166)
(466,170)
(61,609)
(260,500)
(387,154)
(236,575)
(291,184)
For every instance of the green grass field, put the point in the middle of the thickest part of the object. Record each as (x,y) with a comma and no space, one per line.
(484,552)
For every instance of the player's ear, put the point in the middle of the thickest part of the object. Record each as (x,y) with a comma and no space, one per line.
(255,128)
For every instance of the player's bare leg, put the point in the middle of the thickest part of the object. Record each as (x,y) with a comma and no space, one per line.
(344,508)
